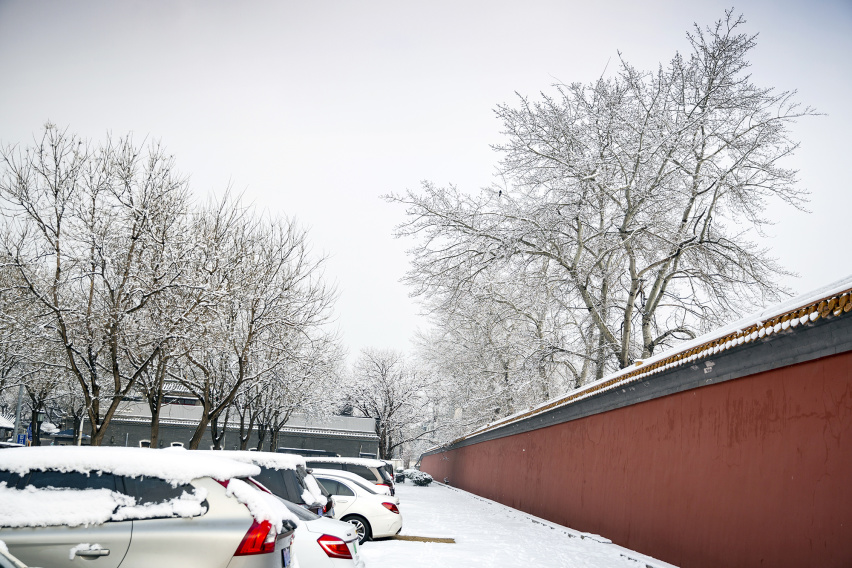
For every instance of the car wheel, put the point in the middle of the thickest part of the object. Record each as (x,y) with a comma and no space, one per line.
(362,527)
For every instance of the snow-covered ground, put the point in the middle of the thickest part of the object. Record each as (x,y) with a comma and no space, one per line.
(488,534)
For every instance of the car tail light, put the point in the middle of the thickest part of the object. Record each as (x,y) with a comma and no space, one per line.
(223,483)
(384,485)
(391,507)
(260,539)
(334,547)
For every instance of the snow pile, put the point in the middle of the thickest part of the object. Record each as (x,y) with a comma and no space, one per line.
(262,506)
(418,477)
(175,467)
(31,507)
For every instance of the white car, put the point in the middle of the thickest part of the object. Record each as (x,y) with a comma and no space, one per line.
(356,501)
(322,542)
(68,504)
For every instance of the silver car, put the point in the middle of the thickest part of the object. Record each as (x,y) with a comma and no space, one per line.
(82,505)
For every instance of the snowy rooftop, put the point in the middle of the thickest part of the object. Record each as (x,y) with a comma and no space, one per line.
(176,466)
(832,300)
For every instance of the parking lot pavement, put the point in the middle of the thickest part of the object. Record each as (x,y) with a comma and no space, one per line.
(487,534)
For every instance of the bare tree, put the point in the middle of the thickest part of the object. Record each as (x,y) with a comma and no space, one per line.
(639,192)
(270,292)
(78,228)
(388,389)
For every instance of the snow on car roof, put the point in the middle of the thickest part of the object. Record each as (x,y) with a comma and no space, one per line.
(173,465)
(271,460)
(367,462)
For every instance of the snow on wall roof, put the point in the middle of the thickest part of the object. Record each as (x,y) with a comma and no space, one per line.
(367,462)
(177,466)
(833,300)
(271,460)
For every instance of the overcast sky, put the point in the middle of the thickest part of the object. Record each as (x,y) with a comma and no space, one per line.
(315,109)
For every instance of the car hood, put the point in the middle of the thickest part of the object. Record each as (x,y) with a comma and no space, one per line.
(329,526)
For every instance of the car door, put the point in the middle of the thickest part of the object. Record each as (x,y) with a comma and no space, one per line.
(207,540)
(95,546)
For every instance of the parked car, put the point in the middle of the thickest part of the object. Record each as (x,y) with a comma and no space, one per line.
(370,469)
(374,515)
(322,541)
(286,476)
(181,508)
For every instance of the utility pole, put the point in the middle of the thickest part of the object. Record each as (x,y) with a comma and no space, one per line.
(18,412)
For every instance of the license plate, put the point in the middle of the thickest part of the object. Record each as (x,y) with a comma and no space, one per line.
(285,557)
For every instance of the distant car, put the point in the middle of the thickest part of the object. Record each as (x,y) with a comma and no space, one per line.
(374,515)
(285,476)
(181,508)
(372,470)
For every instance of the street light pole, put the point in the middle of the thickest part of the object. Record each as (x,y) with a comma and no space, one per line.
(18,412)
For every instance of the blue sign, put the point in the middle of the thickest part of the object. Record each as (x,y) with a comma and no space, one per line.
(29,431)
(22,439)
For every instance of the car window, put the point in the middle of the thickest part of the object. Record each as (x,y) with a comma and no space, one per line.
(71,480)
(11,479)
(336,488)
(274,481)
(361,470)
(365,485)
(323,465)
(154,490)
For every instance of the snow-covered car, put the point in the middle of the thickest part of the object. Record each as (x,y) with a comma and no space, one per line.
(67,503)
(372,470)
(286,477)
(374,515)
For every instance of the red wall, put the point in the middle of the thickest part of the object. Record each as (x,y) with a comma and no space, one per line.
(755,471)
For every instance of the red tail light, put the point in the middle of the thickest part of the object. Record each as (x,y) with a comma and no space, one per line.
(260,539)
(223,483)
(391,507)
(334,547)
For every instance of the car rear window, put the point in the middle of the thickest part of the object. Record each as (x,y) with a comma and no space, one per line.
(365,472)
(282,482)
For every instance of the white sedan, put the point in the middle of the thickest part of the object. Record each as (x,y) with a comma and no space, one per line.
(321,542)
(355,501)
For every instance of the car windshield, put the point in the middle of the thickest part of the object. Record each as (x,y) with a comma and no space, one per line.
(301,513)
